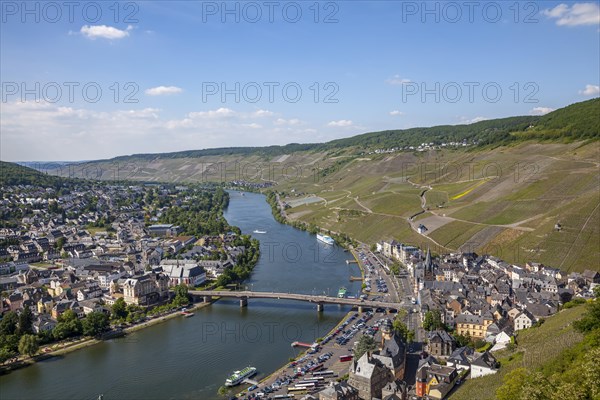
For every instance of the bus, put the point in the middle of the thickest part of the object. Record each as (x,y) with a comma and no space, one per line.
(309,385)
(323,373)
(347,357)
(315,367)
(313,380)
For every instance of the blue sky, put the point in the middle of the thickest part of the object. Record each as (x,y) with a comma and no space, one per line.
(371,62)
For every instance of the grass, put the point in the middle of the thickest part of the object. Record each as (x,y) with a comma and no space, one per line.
(536,347)
(455,233)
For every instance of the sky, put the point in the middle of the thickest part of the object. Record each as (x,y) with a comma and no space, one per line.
(95,80)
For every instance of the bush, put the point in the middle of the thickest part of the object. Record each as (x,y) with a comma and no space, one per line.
(575,302)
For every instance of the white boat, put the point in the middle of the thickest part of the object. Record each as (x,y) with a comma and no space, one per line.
(238,376)
(325,239)
(258,231)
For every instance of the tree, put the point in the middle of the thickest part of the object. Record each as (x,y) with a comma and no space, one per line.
(181,295)
(410,337)
(8,324)
(28,345)
(365,343)
(433,321)
(26,321)
(6,354)
(462,340)
(119,309)
(591,319)
(400,328)
(61,331)
(68,325)
(60,242)
(512,385)
(10,342)
(94,323)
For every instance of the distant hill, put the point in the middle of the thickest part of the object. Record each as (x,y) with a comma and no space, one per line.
(578,121)
(15,174)
(575,122)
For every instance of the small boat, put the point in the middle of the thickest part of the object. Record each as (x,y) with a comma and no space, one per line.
(342,292)
(258,231)
(325,239)
(238,376)
(186,313)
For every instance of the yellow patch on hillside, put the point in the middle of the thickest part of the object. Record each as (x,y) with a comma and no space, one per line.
(466,192)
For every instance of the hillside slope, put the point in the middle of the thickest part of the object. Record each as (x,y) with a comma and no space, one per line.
(505,197)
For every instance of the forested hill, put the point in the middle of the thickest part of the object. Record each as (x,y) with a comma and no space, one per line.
(579,121)
(15,174)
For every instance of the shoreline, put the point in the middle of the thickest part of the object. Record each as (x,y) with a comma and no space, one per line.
(88,342)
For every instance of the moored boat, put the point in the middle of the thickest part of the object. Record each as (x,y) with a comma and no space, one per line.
(325,239)
(238,376)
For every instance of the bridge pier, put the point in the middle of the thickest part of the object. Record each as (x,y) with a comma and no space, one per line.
(243,302)
(319,307)
(360,309)
(207,299)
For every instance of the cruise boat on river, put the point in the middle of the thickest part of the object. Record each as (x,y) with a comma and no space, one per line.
(238,376)
(325,239)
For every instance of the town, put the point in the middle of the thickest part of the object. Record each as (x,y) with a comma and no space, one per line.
(75,255)
(459,310)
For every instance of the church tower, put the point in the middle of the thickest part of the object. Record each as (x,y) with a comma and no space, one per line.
(387,331)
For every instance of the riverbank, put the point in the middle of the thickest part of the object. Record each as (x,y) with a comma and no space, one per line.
(68,346)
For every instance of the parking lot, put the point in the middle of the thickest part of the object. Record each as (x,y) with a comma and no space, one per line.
(321,364)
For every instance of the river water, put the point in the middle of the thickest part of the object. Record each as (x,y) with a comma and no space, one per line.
(189,358)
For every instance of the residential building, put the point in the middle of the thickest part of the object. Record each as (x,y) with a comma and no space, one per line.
(146,289)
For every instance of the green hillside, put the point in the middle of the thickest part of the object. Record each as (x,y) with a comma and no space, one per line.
(15,174)
(504,197)
(575,122)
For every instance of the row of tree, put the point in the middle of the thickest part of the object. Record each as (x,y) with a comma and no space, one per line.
(17,335)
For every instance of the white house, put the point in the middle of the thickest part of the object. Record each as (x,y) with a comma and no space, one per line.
(484,365)
(523,321)
(501,341)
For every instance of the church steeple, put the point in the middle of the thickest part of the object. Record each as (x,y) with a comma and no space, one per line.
(428,262)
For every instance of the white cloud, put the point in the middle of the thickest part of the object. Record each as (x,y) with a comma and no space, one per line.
(104,31)
(46,131)
(340,123)
(396,112)
(163,90)
(253,125)
(289,122)
(540,110)
(575,15)
(467,121)
(263,113)
(397,80)
(590,90)
(222,112)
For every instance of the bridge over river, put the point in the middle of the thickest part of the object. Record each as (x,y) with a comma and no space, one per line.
(244,295)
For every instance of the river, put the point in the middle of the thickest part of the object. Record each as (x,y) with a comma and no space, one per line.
(190,358)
